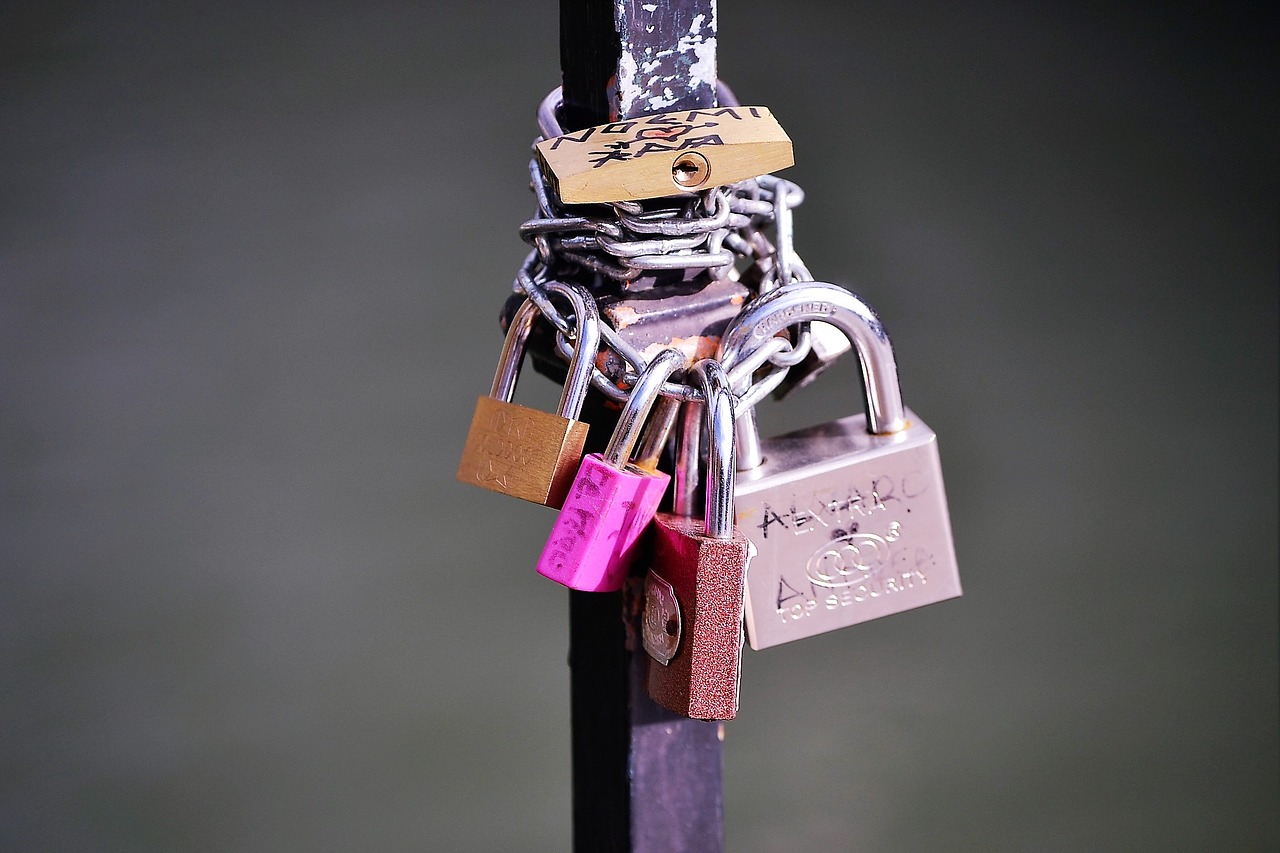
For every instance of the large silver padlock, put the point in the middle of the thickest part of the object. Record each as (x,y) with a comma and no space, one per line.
(849,518)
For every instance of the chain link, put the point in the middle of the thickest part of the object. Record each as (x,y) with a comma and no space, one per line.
(720,230)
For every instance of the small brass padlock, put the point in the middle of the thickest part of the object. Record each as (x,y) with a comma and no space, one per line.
(850,517)
(662,155)
(524,452)
(692,626)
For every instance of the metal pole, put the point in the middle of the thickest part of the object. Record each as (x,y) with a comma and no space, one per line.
(644,780)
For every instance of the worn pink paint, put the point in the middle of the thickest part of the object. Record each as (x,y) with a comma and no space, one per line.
(594,539)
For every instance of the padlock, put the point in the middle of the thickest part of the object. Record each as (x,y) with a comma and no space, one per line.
(692,625)
(612,500)
(656,156)
(849,518)
(524,452)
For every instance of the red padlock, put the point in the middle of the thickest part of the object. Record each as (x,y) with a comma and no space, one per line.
(692,626)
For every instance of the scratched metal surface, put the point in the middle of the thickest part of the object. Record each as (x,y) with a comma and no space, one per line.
(668,58)
(247,295)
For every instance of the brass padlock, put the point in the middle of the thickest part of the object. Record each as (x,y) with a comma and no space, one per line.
(849,518)
(524,452)
(692,626)
(668,154)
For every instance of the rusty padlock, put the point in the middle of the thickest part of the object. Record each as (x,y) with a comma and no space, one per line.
(692,627)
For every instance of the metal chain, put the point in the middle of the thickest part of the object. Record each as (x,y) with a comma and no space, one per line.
(720,229)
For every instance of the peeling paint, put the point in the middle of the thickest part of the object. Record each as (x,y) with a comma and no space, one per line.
(623,316)
(695,348)
(669,70)
(628,91)
(664,100)
(703,68)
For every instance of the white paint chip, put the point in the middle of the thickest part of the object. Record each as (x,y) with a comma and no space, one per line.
(703,69)
(695,56)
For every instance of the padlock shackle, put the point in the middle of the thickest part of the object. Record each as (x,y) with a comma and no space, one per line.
(512,355)
(644,394)
(587,333)
(583,364)
(710,377)
(828,303)
(653,438)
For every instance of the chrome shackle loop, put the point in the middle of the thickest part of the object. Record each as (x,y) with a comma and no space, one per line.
(818,301)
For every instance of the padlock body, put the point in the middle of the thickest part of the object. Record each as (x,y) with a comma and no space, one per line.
(594,539)
(706,575)
(848,527)
(522,452)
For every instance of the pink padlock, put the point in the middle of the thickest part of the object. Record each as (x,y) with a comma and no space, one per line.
(613,499)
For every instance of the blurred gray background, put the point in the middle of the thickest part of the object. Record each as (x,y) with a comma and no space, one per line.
(251,259)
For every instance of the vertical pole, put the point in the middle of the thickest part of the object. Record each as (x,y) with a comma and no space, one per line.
(644,780)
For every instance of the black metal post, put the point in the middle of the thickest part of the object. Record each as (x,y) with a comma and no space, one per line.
(644,780)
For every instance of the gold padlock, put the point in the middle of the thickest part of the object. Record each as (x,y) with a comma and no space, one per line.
(524,452)
(670,154)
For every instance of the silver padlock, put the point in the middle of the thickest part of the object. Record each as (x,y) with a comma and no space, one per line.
(849,518)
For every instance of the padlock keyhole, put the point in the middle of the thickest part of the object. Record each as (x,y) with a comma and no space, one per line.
(690,170)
